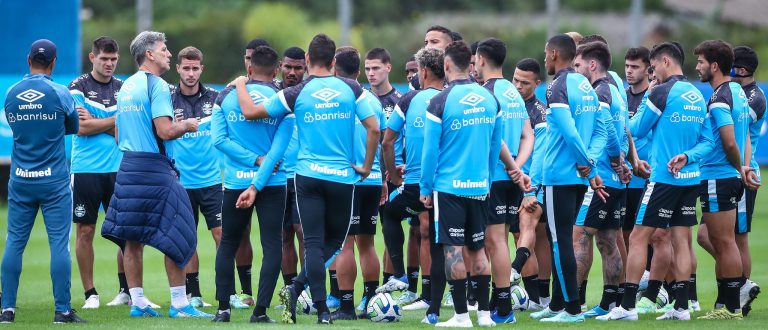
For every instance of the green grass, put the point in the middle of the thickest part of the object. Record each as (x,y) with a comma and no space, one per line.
(35,303)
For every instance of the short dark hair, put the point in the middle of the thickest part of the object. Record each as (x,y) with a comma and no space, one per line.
(638,53)
(411,59)
(493,50)
(455,36)
(294,53)
(716,51)
(347,62)
(380,54)
(459,53)
(190,53)
(104,44)
(597,51)
(592,38)
(564,44)
(529,65)
(322,50)
(473,47)
(256,43)
(671,49)
(264,59)
(440,28)
(746,58)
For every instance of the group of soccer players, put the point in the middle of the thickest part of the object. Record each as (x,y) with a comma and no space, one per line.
(465,157)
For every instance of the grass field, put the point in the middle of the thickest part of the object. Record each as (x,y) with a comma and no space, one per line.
(35,303)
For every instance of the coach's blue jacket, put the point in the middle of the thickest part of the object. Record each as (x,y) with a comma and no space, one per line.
(151,207)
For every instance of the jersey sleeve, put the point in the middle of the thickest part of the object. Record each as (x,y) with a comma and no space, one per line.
(71,118)
(77,94)
(720,109)
(396,121)
(364,107)
(223,142)
(648,113)
(757,105)
(539,143)
(498,127)
(433,130)
(704,145)
(559,116)
(160,99)
(277,105)
(276,151)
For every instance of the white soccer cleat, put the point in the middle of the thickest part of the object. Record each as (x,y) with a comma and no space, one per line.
(747,294)
(457,321)
(675,315)
(535,307)
(448,300)
(417,305)
(92,302)
(514,278)
(120,299)
(619,314)
(484,319)
(407,298)
(644,281)
(393,284)
(151,304)
(472,308)
(695,306)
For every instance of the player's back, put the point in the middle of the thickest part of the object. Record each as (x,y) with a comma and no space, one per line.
(727,106)
(512,115)
(757,107)
(408,119)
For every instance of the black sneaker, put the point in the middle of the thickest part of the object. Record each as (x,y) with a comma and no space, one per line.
(221,316)
(288,298)
(363,316)
(70,317)
(342,315)
(7,317)
(325,318)
(261,319)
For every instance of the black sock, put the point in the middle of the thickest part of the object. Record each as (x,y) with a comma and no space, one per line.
(731,291)
(544,287)
(193,284)
(426,287)
(667,286)
(123,282)
(288,278)
(90,292)
(573,307)
(532,287)
(652,292)
(609,296)
(503,301)
(648,258)
(521,256)
(322,307)
(620,294)
(347,300)
(681,295)
(260,310)
(630,292)
(244,273)
(459,293)
(494,297)
(481,285)
(385,274)
(672,291)
(583,293)
(471,286)
(413,278)
(224,305)
(692,288)
(720,299)
(369,289)
(334,283)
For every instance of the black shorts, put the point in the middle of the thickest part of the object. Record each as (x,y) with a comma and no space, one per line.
(291,215)
(460,220)
(745,210)
(634,197)
(89,191)
(404,203)
(720,195)
(208,201)
(504,203)
(365,210)
(594,213)
(665,206)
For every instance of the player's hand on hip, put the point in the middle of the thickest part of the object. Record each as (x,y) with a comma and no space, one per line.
(362,170)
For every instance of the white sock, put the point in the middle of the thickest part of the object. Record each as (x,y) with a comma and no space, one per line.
(10,309)
(461,317)
(137,297)
(179,296)
(483,314)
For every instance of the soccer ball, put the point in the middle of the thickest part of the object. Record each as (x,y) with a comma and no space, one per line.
(305,303)
(382,308)
(519,298)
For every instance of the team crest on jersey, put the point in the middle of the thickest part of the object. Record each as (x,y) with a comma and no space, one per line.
(585,86)
(692,97)
(80,210)
(207,108)
(388,110)
(472,99)
(92,94)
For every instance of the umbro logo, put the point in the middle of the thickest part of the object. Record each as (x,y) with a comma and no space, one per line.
(692,97)
(585,86)
(129,87)
(472,99)
(92,94)
(326,94)
(511,93)
(257,97)
(30,95)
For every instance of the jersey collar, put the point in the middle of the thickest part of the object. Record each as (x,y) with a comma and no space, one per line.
(37,75)
(563,71)
(460,82)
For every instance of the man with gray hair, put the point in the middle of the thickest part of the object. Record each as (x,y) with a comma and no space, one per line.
(149,205)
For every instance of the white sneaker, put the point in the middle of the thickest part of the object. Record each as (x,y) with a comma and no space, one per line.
(92,302)
(457,321)
(535,307)
(545,301)
(448,299)
(393,284)
(584,308)
(472,308)
(619,314)
(544,313)
(695,306)
(514,278)
(151,304)
(747,294)
(120,299)
(407,298)
(484,319)
(644,281)
(675,315)
(417,305)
